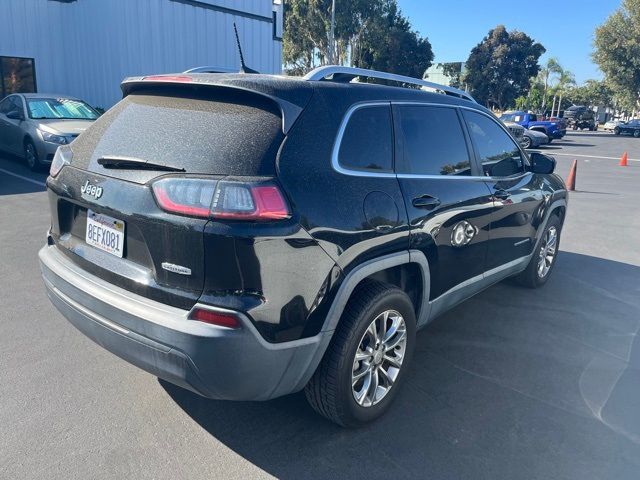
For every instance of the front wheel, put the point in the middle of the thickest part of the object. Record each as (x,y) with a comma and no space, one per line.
(616,131)
(544,256)
(636,134)
(31,156)
(526,142)
(368,357)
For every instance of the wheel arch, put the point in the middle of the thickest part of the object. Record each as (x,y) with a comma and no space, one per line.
(400,269)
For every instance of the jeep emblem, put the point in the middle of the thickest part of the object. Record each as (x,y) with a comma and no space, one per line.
(92,190)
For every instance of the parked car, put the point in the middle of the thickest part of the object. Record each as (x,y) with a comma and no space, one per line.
(249,236)
(611,125)
(632,127)
(580,117)
(516,131)
(34,125)
(533,139)
(554,129)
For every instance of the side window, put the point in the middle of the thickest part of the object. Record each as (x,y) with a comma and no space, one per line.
(433,142)
(17,104)
(367,142)
(5,105)
(499,155)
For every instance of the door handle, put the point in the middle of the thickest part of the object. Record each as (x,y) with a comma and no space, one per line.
(501,194)
(425,201)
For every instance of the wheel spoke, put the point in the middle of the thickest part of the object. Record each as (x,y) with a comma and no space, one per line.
(360,355)
(394,342)
(393,360)
(373,386)
(357,376)
(388,379)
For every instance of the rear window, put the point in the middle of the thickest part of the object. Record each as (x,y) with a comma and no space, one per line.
(224,132)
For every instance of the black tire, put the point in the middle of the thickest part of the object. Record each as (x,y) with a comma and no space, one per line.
(526,142)
(330,390)
(616,131)
(636,134)
(550,140)
(531,276)
(31,156)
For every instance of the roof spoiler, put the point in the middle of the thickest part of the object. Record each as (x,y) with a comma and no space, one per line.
(288,110)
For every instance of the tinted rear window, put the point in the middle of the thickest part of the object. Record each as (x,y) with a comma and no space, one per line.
(222,133)
(367,143)
(433,142)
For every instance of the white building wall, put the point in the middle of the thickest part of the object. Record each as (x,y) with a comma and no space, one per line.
(86,47)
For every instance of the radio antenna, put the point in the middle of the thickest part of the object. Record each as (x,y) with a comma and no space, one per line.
(243,66)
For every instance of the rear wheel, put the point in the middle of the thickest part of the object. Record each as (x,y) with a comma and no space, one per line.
(544,257)
(368,357)
(31,156)
(526,142)
(616,131)
(636,134)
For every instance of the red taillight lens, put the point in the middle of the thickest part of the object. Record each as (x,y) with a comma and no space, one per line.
(221,319)
(242,201)
(198,197)
(185,196)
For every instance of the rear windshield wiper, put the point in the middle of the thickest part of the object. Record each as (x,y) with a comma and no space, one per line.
(128,163)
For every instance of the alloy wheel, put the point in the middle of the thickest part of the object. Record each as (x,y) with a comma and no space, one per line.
(379,358)
(547,252)
(31,155)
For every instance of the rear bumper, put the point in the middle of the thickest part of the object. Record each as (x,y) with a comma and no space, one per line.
(212,361)
(558,134)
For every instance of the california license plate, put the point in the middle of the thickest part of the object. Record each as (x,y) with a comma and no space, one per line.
(105,233)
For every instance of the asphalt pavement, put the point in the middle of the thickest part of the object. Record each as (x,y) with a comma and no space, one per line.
(512,384)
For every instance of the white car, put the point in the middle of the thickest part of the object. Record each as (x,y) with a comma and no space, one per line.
(611,125)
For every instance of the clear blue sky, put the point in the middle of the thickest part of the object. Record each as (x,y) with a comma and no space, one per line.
(564,27)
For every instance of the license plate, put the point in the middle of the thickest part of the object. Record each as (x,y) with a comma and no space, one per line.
(105,233)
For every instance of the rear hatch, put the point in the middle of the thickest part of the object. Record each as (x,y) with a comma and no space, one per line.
(159,131)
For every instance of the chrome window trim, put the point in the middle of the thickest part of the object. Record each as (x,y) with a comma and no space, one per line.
(335,163)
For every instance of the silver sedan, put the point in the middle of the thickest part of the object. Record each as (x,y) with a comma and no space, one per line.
(533,139)
(34,125)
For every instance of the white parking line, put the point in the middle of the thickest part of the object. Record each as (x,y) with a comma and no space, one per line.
(586,156)
(26,179)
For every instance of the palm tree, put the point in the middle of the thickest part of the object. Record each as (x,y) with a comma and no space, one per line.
(551,68)
(565,81)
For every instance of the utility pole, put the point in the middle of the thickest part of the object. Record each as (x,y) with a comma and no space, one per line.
(332,39)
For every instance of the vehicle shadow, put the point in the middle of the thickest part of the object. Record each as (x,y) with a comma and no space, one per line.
(513,383)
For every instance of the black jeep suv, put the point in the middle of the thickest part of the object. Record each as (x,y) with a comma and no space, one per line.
(249,236)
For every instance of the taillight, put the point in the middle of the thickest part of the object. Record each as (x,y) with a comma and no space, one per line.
(249,201)
(61,158)
(213,317)
(232,200)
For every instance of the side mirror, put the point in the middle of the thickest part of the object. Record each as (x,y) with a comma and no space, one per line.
(15,115)
(541,163)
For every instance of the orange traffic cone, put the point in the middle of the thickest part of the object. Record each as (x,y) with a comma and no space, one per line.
(623,160)
(571,179)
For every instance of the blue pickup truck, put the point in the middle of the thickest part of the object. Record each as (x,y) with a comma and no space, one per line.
(554,129)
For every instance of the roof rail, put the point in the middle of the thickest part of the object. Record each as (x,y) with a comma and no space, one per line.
(340,73)
(211,69)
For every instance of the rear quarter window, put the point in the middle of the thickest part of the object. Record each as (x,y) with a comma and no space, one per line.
(221,132)
(367,141)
